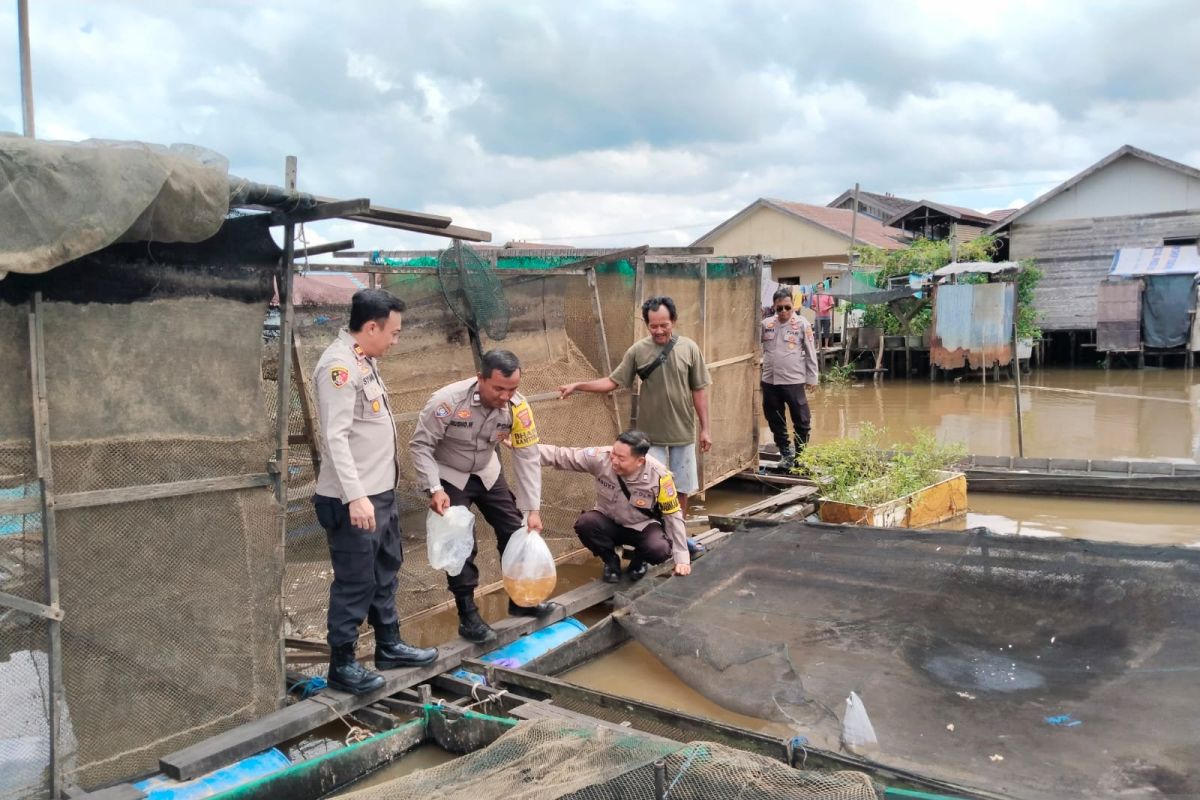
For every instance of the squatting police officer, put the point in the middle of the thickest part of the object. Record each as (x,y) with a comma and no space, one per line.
(355,498)
(454,453)
(636,505)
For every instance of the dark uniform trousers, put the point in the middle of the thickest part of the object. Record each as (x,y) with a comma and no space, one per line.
(499,508)
(601,534)
(365,564)
(792,397)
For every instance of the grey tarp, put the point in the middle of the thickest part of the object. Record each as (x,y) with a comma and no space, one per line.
(1165,310)
(60,201)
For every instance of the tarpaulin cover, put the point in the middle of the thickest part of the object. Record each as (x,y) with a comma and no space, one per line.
(60,201)
(1036,667)
(859,288)
(1165,310)
(1173,260)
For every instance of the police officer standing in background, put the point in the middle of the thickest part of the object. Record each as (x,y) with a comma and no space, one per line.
(355,498)
(454,453)
(789,367)
(636,504)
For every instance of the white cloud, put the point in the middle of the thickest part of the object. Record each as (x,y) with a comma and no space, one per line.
(586,122)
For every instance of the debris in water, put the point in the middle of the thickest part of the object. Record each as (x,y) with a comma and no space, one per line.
(744,593)
(965,695)
(950,727)
(996,757)
(1063,721)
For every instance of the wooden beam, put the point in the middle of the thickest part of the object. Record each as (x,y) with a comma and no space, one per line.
(45,473)
(312,424)
(130,494)
(299,718)
(401,215)
(30,607)
(450,231)
(321,249)
(341,208)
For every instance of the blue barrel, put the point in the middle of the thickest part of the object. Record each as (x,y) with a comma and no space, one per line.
(538,643)
(528,647)
(160,787)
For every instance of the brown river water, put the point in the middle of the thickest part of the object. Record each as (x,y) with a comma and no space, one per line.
(1081,413)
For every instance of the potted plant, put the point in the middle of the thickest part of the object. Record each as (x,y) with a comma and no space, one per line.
(862,483)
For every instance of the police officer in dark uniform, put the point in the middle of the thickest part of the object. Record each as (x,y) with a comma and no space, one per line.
(355,498)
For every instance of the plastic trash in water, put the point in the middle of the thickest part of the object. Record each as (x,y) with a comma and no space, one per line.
(1063,721)
(858,735)
(450,538)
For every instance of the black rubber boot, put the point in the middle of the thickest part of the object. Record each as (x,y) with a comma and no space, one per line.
(637,569)
(347,675)
(612,568)
(470,625)
(391,652)
(787,458)
(540,610)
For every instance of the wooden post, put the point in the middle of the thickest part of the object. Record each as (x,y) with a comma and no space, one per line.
(704,354)
(1017,378)
(26,68)
(756,349)
(849,270)
(312,425)
(45,474)
(639,291)
(602,336)
(283,383)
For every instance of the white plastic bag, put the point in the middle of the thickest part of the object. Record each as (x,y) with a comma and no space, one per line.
(858,734)
(449,538)
(528,568)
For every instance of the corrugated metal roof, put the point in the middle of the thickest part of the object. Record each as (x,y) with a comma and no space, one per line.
(964,267)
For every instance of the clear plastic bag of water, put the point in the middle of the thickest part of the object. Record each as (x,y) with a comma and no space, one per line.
(449,538)
(528,568)
(858,734)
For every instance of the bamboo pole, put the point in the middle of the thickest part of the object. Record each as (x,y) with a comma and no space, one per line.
(1017,378)
(26,68)
(283,383)
(45,473)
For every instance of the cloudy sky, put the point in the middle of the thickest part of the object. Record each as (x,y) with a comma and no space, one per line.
(612,123)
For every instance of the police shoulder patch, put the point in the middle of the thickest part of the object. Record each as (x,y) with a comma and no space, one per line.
(442,411)
(339,375)
(524,431)
(668,498)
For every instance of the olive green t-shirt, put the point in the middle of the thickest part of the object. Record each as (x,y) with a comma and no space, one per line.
(665,410)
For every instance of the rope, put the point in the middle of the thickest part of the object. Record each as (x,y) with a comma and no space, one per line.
(354,733)
(683,769)
(308,687)
(1100,394)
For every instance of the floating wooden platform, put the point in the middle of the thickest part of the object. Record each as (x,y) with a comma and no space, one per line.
(1059,477)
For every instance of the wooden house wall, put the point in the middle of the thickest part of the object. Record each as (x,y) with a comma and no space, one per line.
(1075,256)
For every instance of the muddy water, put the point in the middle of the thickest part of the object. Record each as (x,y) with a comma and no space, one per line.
(632,671)
(424,757)
(1080,413)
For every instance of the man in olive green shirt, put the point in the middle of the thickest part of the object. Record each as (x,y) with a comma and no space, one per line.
(672,396)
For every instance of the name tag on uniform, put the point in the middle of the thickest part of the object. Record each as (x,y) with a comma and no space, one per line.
(372,390)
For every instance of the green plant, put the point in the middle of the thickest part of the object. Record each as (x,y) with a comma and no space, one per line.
(1028,318)
(837,374)
(857,469)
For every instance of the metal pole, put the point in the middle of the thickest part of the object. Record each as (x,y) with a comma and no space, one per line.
(283,383)
(660,780)
(1017,377)
(45,473)
(26,67)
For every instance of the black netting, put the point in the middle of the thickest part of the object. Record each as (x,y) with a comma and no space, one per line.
(1040,667)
